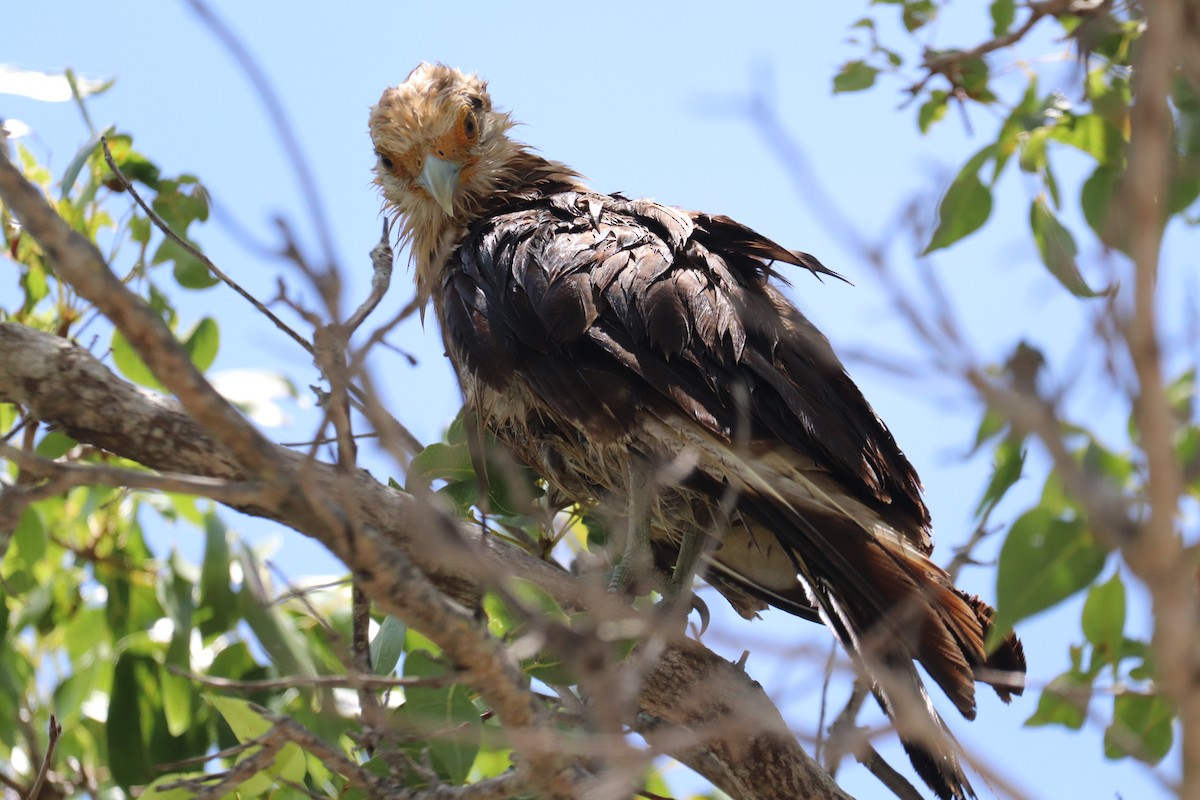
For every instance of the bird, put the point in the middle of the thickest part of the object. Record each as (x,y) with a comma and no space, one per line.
(644,359)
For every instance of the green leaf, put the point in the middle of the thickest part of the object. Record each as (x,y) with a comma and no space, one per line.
(1141,727)
(202,342)
(177,691)
(1063,702)
(128,756)
(1007,463)
(388,645)
(966,205)
(932,110)
(217,599)
(854,76)
(1096,200)
(55,445)
(133,165)
(189,271)
(440,461)
(1044,560)
(917,14)
(1057,248)
(992,425)
(275,628)
(181,202)
(1004,12)
(1094,135)
(1103,618)
(71,173)
(240,716)
(444,716)
(155,791)
(131,365)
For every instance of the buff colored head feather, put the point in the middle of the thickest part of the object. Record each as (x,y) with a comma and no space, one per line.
(440,146)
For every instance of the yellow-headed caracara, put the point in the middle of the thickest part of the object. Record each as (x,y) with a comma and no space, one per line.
(608,341)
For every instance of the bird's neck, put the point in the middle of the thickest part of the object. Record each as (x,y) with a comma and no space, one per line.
(522,178)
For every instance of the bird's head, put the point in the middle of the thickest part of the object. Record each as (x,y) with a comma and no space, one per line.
(441,147)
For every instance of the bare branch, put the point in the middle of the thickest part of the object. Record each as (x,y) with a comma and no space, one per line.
(55,731)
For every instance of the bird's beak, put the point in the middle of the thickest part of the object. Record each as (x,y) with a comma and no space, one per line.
(439,177)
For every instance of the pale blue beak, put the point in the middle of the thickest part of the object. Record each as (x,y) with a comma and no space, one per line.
(439,177)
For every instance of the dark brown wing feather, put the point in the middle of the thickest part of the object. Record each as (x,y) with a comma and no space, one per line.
(607,309)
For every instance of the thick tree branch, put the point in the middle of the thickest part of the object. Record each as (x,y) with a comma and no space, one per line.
(1157,554)
(728,717)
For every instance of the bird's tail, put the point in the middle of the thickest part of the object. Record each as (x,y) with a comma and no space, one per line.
(890,606)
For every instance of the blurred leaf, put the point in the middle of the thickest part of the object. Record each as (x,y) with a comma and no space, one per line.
(246,723)
(966,205)
(128,755)
(932,110)
(275,628)
(917,14)
(1057,248)
(1063,702)
(155,790)
(189,271)
(1007,463)
(445,715)
(1141,728)
(1103,618)
(388,645)
(1003,14)
(55,444)
(1096,200)
(440,461)
(133,165)
(77,163)
(1043,561)
(181,202)
(854,77)
(177,700)
(201,343)
(1094,135)
(217,599)
(131,365)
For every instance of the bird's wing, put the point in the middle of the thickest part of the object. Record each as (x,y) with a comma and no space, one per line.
(636,323)
(609,308)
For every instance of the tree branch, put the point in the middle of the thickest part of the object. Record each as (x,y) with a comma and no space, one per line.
(688,687)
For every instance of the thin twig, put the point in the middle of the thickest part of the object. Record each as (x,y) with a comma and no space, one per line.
(54,731)
(349,680)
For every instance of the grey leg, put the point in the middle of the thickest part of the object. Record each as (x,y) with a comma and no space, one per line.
(636,557)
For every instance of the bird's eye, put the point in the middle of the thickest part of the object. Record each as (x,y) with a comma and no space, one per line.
(385,162)
(470,127)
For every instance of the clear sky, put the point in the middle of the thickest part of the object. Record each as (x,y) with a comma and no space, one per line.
(641,98)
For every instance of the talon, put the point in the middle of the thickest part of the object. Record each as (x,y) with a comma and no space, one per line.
(701,608)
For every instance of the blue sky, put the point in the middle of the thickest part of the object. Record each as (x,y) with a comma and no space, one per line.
(640,98)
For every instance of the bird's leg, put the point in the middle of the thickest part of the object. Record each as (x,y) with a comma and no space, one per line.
(686,563)
(636,557)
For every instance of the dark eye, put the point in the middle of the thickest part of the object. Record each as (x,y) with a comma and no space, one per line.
(385,162)
(470,127)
